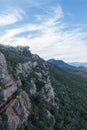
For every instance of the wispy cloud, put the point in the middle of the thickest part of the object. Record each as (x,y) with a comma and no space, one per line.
(54,39)
(12,33)
(11,16)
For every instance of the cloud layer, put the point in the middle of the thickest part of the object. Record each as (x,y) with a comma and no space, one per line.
(49,36)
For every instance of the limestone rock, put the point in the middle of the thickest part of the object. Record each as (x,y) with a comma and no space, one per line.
(24,69)
(17,105)
(33,88)
(7,84)
(48,92)
(35,64)
(18,111)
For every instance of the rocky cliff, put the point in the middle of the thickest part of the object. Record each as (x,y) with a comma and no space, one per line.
(14,102)
(19,84)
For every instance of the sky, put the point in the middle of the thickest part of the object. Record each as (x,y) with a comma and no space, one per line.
(51,28)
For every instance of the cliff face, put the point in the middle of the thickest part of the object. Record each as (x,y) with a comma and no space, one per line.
(7,84)
(14,102)
(16,93)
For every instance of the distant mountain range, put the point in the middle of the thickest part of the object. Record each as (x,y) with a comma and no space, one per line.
(73,67)
(62,64)
(78,64)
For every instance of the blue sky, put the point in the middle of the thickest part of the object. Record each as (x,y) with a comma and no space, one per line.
(52,28)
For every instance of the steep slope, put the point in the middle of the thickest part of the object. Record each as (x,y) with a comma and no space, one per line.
(36,95)
(72,96)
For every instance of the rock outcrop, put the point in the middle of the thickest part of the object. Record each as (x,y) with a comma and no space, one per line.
(7,84)
(18,111)
(14,102)
(48,92)
(24,69)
